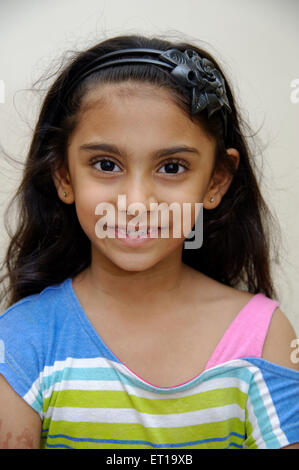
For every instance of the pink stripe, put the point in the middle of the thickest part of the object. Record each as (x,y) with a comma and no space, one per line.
(246,335)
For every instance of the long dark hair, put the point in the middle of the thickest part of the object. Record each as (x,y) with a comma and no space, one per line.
(49,244)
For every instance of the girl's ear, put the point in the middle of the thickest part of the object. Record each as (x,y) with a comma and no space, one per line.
(220,182)
(63,184)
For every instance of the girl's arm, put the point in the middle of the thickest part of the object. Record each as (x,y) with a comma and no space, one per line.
(277,347)
(20,425)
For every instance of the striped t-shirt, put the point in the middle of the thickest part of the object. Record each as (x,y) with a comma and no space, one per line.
(86,397)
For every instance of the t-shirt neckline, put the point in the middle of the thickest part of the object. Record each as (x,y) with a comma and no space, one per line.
(110,354)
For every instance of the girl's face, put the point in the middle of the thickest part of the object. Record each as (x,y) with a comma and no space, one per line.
(130,126)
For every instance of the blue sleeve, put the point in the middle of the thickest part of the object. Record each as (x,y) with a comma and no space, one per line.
(21,351)
(272,408)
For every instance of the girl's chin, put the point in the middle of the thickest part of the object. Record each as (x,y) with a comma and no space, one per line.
(134,261)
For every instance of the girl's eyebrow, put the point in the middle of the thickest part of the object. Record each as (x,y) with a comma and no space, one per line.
(158,154)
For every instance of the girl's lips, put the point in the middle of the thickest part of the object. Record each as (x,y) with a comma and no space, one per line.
(134,240)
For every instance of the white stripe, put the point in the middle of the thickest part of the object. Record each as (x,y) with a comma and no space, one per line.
(75,363)
(115,385)
(128,415)
(230,364)
(31,395)
(104,362)
(256,434)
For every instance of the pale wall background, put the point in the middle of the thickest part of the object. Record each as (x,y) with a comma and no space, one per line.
(255,41)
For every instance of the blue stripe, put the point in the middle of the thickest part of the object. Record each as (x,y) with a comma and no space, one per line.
(261,414)
(37,405)
(239,372)
(109,373)
(138,442)
(283,386)
(78,373)
(59,446)
(233,444)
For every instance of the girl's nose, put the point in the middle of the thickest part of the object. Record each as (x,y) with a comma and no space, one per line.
(140,192)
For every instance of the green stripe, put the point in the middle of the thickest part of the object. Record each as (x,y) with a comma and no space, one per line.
(121,399)
(137,432)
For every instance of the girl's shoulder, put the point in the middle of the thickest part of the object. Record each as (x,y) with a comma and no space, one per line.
(256,316)
(29,333)
(28,340)
(281,344)
(35,311)
(230,314)
(218,297)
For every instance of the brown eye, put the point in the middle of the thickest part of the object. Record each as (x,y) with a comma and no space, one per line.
(104,164)
(173,165)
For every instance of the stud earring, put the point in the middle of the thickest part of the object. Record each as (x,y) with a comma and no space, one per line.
(212,199)
(64,194)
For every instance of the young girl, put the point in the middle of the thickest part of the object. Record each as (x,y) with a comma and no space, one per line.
(124,342)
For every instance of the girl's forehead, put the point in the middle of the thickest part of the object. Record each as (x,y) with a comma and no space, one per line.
(133,118)
(133,112)
(133,103)
(105,93)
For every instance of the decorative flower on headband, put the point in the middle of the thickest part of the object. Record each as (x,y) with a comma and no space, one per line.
(199,73)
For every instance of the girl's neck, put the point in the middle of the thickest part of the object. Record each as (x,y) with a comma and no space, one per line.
(143,291)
